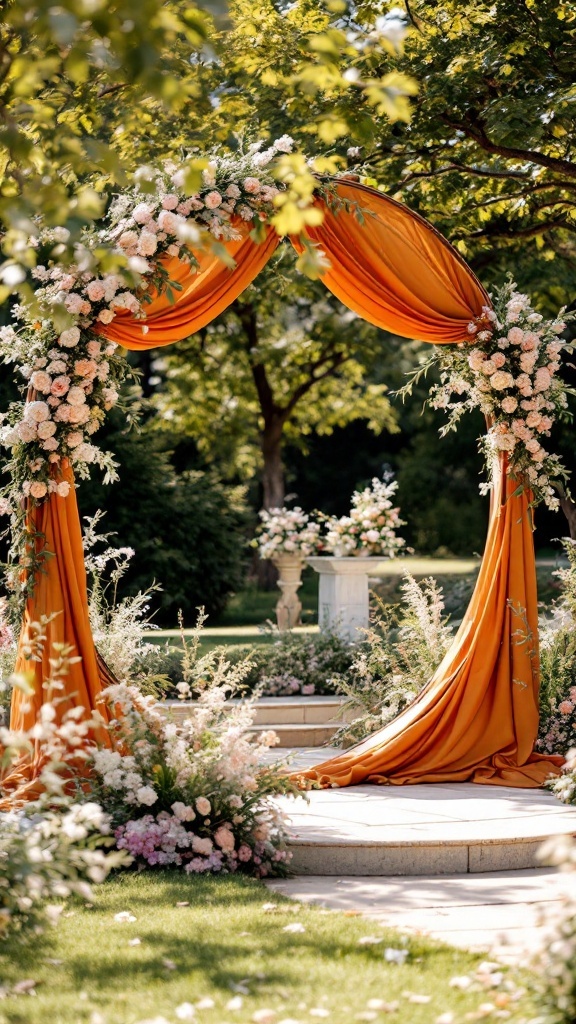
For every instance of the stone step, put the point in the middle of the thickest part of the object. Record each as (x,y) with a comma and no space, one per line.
(300,734)
(428,829)
(276,711)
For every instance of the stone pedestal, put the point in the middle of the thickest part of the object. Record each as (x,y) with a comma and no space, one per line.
(289,606)
(343,594)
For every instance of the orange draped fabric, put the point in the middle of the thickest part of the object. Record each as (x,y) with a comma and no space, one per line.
(478,717)
(205,293)
(60,589)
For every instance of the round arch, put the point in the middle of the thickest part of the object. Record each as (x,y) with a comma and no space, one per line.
(477,719)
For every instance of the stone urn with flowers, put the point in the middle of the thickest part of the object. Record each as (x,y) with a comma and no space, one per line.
(287,537)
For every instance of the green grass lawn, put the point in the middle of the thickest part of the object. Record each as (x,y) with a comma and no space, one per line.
(212,939)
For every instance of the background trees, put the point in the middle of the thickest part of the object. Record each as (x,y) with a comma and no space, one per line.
(463,110)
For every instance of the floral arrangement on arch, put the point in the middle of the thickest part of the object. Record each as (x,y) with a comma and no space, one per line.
(371,527)
(287,531)
(71,375)
(509,370)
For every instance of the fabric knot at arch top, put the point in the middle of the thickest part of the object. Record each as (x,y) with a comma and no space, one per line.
(477,719)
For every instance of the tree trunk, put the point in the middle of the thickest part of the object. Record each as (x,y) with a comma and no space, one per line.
(273,487)
(569,509)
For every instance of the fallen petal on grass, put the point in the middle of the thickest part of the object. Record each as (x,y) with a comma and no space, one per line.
(185,1011)
(124,917)
(295,927)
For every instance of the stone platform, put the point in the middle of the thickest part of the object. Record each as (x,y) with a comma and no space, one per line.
(440,829)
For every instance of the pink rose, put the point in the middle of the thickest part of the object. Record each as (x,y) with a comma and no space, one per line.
(38,489)
(212,200)
(106,316)
(501,380)
(170,202)
(74,438)
(60,386)
(252,186)
(148,244)
(63,489)
(516,335)
(50,444)
(62,414)
(142,213)
(78,414)
(169,222)
(244,853)
(46,429)
(94,348)
(498,359)
(95,291)
(85,368)
(70,337)
(509,404)
(41,381)
(203,805)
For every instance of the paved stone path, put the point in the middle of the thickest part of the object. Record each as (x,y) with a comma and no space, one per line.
(501,913)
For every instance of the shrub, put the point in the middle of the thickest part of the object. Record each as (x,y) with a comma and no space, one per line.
(295,663)
(558,665)
(190,526)
(403,648)
(51,847)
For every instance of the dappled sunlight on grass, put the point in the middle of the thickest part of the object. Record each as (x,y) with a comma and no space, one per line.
(222,939)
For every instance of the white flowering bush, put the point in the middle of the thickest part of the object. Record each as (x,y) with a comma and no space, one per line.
(402,649)
(555,981)
(557,732)
(56,845)
(371,527)
(192,794)
(287,531)
(509,370)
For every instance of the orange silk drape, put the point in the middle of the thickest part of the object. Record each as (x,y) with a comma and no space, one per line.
(60,589)
(478,717)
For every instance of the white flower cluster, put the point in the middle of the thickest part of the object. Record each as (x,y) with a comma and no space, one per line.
(511,375)
(287,531)
(370,529)
(202,778)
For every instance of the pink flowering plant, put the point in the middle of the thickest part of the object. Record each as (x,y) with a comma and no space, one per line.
(193,792)
(287,531)
(558,668)
(509,370)
(371,527)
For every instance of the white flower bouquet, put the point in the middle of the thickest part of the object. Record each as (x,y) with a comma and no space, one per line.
(286,531)
(371,527)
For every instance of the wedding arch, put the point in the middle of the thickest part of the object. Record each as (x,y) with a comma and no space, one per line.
(477,719)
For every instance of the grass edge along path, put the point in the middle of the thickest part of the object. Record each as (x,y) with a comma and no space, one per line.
(222,950)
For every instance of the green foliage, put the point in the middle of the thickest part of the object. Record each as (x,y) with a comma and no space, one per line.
(69,76)
(558,665)
(488,151)
(402,650)
(188,529)
(285,361)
